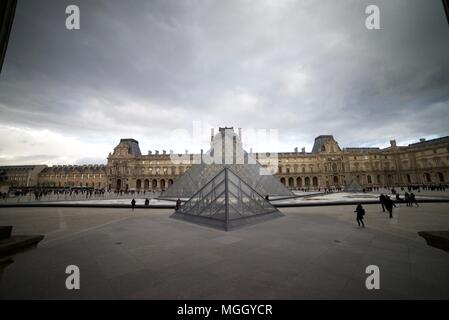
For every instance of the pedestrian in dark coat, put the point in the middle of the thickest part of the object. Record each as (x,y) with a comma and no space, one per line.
(178,204)
(407,199)
(382,201)
(360,213)
(413,200)
(133,203)
(389,204)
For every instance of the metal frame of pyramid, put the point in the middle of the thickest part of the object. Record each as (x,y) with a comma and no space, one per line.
(226,202)
(226,150)
(199,174)
(353,186)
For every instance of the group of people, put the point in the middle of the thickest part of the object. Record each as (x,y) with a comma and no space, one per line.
(133,203)
(132,192)
(440,187)
(147,203)
(387,205)
(409,199)
(56,194)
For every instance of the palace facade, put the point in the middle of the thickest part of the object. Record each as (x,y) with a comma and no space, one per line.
(326,166)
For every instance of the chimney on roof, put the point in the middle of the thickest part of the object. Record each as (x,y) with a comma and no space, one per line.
(393,143)
(303,150)
(150,152)
(164,152)
(156,151)
(422,139)
(296,150)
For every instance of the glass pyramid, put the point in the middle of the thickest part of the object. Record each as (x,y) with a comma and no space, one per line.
(226,150)
(199,174)
(226,202)
(353,186)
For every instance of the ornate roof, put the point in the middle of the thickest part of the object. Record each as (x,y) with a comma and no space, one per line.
(131,144)
(321,141)
(430,142)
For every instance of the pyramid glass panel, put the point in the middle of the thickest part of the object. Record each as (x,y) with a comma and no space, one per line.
(354,186)
(226,201)
(226,151)
(209,200)
(199,174)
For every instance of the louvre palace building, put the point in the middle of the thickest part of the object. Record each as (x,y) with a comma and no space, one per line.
(327,165)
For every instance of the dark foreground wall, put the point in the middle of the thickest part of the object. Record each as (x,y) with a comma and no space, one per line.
(7,11)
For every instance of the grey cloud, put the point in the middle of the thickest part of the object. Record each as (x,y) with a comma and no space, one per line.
(145,68)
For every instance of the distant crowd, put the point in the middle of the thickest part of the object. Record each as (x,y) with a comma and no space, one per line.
(38,194)
(417,188)
(88,193)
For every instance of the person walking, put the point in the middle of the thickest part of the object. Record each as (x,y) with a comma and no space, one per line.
(133,203)
(178,204)
(413,200)
(147,202)
(389,204)
(382,201)
(360,213)
(407,199)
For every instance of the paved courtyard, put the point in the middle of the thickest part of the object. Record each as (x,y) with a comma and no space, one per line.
(312,253)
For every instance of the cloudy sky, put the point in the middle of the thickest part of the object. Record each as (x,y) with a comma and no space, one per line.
(152,69)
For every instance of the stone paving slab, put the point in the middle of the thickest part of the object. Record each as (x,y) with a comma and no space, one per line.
(311,253)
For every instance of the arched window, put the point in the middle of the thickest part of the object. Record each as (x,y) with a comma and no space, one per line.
(146,184)
(307,181)
(335,181)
